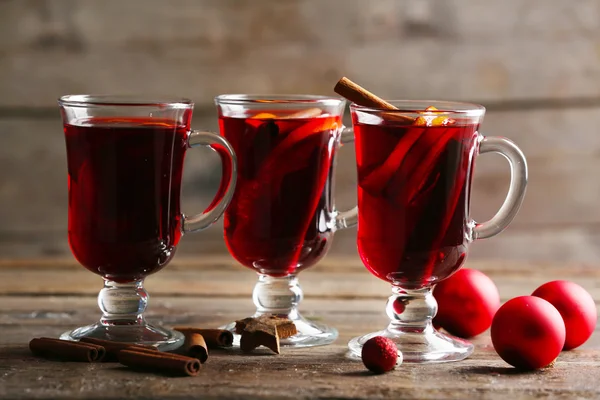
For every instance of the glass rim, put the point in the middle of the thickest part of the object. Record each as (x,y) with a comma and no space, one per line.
(281,99)
(417,107)
(89,100)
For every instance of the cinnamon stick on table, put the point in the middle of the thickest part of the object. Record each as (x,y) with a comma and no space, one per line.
(213,337)
(113,348)
(195,346)
(157,361)
(361,96)
(66,350)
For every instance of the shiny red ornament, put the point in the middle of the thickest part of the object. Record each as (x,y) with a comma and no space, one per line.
(467,302)
(528,332)
(575,305)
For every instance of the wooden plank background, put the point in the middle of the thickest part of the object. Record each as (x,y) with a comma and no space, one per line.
(46,297)
(534,64)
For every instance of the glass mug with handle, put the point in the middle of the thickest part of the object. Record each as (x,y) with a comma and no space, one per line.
(125,163)
(414,187)
(282,217)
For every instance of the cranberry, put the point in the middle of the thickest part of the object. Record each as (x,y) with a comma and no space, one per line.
(575,305)
(467,302)
(528,332)
(379,354)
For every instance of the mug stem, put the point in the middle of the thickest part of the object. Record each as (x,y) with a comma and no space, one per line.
(122,306)
(280,297)
(122,303)
(277,296)
(411,313)
(411,310)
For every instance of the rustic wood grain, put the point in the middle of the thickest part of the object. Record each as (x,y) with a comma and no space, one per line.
(332,278)
(426,49)
(534,63)
(185,295)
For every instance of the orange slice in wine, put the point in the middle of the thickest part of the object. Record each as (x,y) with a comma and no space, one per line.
(429,118)
(257,120)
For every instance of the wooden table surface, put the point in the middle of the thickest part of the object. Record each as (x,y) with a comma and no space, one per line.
(46,297)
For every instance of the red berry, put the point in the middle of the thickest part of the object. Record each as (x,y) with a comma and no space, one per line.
(467,302)
(379,354)
(575,305)
(528,332)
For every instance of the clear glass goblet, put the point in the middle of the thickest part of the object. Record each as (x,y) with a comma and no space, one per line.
(414,188)
(282,216)
(125,162)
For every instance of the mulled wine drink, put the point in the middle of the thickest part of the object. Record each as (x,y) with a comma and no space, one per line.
(274,223)
(413,185)
(124,188)
(125,159)
(415,166)
(282,217)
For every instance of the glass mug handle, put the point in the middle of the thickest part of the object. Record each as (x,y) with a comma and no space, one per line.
(516,190)
(225,192)
(349,218)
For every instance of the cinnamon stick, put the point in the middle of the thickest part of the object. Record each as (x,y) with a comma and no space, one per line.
(66,350)
(157,361)
(113,348)
(195,347)
(361,96)
(213,337)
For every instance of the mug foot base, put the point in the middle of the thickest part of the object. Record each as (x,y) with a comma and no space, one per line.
(310,334)
(146,334)
(427,346)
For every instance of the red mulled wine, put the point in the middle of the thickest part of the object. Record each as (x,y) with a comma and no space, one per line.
(413,199)
(124,188)
(279,220)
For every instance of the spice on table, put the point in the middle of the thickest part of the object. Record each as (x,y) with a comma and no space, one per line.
(156,361)
(195,346)
(265,330)
(213,337)
(113,348)
(66,350)
(285,327)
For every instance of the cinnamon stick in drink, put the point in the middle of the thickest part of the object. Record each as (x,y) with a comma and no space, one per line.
(361,96)
(66,350)
(113,348)
(156,361)
(213,337)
